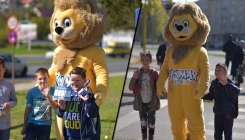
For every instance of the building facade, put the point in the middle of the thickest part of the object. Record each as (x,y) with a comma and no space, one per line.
(225,17)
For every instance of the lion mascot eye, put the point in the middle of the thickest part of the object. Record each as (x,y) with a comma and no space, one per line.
(56,22)
(186,23)
(176,24)
(67,22)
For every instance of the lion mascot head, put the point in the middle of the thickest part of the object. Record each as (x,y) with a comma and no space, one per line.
(187,27)
(76,24)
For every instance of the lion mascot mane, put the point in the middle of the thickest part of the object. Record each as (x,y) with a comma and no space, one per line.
(76,26)
(186,66)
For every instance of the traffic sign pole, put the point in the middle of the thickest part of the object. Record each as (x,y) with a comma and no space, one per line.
(13,63)
(12,38)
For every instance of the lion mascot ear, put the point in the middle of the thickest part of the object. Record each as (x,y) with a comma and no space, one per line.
(88,8)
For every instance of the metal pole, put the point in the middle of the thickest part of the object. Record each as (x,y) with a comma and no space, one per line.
(13,64)
(208,17)
(145,26)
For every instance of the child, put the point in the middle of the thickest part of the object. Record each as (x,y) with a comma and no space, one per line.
(80,114)
(223,91)
(7,100)
(143,83)
(38,113)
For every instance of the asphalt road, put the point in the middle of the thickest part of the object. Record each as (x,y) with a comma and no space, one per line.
(113,67)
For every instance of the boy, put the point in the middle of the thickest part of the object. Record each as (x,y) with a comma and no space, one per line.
(37,117)
(80,114)
(223,91)
(7,100)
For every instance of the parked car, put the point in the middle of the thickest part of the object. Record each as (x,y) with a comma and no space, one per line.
(49,54)
(114,49)
(20,68)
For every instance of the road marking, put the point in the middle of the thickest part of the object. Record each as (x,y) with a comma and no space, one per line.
(234,134)
(241,116)
(235,125)
(133,116)
(241,109)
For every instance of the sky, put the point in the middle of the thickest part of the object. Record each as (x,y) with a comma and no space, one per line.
(177,1)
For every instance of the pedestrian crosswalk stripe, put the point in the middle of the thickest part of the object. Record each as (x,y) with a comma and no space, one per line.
(241,109)
(134,116)
(241,117)
(234,134)
(235,125)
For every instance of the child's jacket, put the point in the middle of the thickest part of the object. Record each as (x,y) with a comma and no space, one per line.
(223,95)
(89,119)
(155,101)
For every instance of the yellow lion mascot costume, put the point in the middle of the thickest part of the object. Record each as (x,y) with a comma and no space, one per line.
(186,66)
(76,26)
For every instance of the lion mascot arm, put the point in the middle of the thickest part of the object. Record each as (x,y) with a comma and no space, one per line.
(101,74)
(203,67)
(52,72)
(163,75)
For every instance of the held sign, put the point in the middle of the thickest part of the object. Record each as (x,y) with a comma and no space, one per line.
(12,23)
(12,37)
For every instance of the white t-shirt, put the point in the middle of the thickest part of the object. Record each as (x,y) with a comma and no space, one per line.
(145,89)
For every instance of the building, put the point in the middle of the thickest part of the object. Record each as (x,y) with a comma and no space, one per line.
(225,17)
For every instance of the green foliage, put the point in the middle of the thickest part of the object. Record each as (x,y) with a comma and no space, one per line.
(122,13)
(46,3)
(42,27)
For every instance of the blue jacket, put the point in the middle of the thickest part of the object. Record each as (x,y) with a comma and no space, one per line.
(90,119)
(223,95)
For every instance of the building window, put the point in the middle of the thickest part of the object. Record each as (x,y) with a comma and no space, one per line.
(232,18)
(224,2)
(224,9)
(240,18)
(240,8)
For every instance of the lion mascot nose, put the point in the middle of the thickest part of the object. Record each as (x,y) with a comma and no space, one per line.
(59,30)
(179,27)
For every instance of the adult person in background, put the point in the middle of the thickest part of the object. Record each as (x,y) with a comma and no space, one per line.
(161,53)
(237,60)
(229,48)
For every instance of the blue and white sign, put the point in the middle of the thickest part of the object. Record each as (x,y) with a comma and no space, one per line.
(137,14)
(12,37)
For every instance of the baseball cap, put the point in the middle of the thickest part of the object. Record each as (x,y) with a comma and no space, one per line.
(230,36)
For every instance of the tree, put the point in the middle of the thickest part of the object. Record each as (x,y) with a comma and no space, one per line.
(156,20)
(121,13)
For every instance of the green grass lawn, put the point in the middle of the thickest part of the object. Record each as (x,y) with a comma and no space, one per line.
(108,111)
(23,49)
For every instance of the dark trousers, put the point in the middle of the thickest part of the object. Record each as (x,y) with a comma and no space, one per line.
(37,132)
(223,123)
(227,60)
(147,119)
(4,134)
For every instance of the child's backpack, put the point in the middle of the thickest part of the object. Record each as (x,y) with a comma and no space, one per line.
(154,76)
(234,101)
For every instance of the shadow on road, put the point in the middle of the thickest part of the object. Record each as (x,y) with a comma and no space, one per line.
(130,95)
